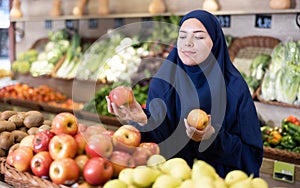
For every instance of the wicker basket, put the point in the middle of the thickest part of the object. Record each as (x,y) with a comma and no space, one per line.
(23,179)
(277,103)
(282,155)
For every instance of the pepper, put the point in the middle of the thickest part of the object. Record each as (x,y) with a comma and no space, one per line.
(296,138)
(274,138)
(292,119)
(287,142)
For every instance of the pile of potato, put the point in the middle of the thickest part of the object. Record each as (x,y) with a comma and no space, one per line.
(14,126)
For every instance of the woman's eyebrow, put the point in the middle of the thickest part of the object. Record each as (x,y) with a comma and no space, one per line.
(196,31)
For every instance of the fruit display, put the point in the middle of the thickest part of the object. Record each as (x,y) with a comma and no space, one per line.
(24,60)
(285,137)
(175,172)
(19,128)
(38,95)
(70,153)
(5,73)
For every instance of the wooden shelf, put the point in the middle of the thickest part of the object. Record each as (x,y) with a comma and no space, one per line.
(147,15)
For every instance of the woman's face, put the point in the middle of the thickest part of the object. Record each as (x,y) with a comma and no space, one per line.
(194,43)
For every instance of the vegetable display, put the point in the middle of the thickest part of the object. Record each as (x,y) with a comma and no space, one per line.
(282,80)
(286,136)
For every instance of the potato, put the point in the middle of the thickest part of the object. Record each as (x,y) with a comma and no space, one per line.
(33,130)
(44,127)
(6,114)
(47,122)
(17,120)
(2,153)
(18,135)
(24,129)
(6,140)
(33,119)
(7,126)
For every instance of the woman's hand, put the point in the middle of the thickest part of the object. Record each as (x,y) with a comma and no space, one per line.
(133,112)
(199,135)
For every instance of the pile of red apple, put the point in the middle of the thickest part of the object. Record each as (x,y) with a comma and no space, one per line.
(72,152)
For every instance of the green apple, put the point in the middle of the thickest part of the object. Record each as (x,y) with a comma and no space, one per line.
(168,165)
(125,175)
(144,176)
(181,171)
(115,183)
(259,183)
(166,180)
(155,160)
(201,168)
(235,176)
(204,182)
(245,183)
(189,183)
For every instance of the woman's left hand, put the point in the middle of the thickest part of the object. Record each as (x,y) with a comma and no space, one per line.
(199,135)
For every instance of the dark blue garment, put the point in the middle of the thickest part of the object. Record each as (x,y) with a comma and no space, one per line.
(215,86)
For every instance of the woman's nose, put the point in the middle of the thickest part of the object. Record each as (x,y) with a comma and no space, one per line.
(188,43)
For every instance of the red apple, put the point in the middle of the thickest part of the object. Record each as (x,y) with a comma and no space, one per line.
(99,145)
(126,138)
(27,141)
(81,161)
(141,155)
(21,158)
(41,140)
(62,146)
(121,95)
(64,171)
(92,130)
(152,146)
(81,142)
(121,160)
(97,171)
(9,159)
(40,164)
(109,133)
(66,123)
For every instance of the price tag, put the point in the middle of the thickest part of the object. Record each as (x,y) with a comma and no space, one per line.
(93,24)
(224,20)
(263,21)
(48,24)
(284,171)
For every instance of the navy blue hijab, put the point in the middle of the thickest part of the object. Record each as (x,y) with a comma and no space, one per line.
(215,86)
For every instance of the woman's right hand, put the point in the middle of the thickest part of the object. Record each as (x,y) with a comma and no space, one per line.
(133,111)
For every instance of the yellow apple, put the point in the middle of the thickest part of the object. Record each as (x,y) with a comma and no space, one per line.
(245,183)
(201,168)
(259,183)
(189,183)
(166,180)
(181,171)
(204,182)
(126,176)
(144,176)
(166,166)
(235,176)
(155,160)
(113,183)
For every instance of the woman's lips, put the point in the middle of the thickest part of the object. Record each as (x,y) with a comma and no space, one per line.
(188,53)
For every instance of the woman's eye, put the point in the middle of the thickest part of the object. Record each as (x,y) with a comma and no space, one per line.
(182,37)
(199,37)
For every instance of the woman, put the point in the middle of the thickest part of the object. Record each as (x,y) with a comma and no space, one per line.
(198,73)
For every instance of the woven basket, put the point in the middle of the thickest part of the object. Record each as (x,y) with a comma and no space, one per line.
(282,155)
(23,179)
(277,103)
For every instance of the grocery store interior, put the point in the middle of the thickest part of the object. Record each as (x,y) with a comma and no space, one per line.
(66,55)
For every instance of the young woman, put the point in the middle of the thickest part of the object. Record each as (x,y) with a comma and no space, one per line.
(198,73)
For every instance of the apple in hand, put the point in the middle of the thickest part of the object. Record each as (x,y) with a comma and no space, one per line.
(21,158)
(152,146)
(64,171)
(126,138)
(109,133)
(40,164)
(99,145)
(121,95)
(121,160)
(97,171)
(197,118)
(141,155)
(66,123)
(62,146)
(41,140)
